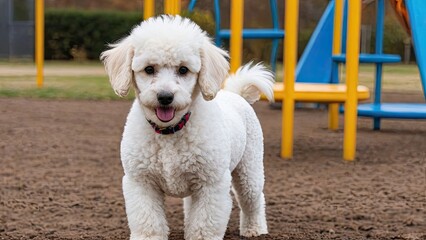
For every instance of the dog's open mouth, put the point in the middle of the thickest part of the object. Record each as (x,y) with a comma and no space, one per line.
(165,114)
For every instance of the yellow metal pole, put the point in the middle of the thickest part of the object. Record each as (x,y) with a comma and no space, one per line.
(172,7)
(333,116)
(178,6)
(333,108)
(290,59)
(167,6)
(148,9)
(337,27)
(352,65)
(39,41)
(236,42)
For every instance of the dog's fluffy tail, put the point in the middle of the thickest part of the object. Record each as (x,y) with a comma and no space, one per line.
(250,81)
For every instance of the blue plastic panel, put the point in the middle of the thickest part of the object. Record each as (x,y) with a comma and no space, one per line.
(393,110)
(371,58)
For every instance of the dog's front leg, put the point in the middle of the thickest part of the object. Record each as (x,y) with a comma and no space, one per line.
(145,210)
(209,211)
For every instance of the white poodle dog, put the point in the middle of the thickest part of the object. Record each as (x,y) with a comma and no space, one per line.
(184,136)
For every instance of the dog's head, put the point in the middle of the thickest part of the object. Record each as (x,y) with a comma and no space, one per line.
(171,61)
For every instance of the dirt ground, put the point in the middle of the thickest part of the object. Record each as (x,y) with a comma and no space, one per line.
(60,175)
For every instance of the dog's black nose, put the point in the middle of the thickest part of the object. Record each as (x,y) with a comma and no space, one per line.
(165,98)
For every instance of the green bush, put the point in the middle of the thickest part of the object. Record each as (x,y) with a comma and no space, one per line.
(304,37)
(393,37)
(70,32)
(79,34)
(203,18)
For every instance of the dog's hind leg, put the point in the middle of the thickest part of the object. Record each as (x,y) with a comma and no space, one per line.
(248,181)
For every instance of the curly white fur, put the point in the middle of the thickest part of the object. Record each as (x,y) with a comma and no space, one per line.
(220,146)
(250,81)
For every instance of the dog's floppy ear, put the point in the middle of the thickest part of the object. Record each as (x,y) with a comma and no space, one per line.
(118,61)
(214,69)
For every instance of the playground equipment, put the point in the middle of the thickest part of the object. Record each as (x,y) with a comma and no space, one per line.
(315,61)
(348,93)
(290,92)
(317,51)
(377,109)
(275,33)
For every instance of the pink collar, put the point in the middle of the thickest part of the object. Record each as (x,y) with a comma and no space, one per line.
(171,129)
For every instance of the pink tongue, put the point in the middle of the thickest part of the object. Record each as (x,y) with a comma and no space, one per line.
(165,114)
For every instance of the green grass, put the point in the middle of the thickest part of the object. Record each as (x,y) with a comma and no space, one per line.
(63,80)
(88,80)
(62,87)
(396,77)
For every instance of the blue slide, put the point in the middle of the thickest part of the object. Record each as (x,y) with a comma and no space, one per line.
(417,15)
(315,63)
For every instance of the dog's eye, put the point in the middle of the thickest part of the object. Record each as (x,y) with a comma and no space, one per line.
(149,70)
(183,70)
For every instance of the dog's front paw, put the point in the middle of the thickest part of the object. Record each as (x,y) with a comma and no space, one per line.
(142,237)
(199,237)
(253,224)
(253,231)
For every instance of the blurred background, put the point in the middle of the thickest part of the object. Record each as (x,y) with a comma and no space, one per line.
(77,31)
(80,29)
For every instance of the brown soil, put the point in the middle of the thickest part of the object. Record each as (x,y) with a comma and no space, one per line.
(61,175)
